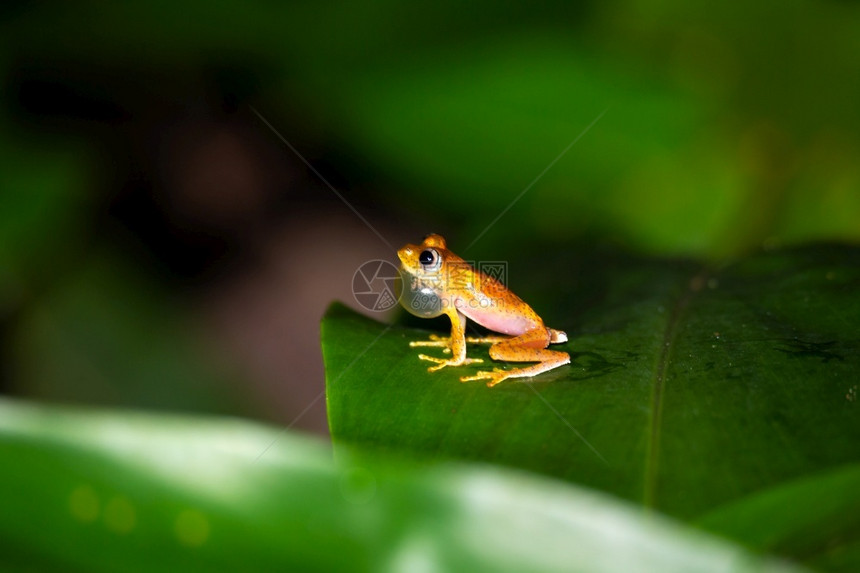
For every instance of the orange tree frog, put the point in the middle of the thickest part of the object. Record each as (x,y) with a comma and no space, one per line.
(436,282)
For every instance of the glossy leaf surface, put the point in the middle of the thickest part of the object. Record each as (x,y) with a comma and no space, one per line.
(704,393)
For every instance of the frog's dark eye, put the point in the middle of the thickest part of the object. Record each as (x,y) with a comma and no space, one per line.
(429,259)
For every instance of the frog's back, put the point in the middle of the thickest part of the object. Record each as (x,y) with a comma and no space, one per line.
(492,305)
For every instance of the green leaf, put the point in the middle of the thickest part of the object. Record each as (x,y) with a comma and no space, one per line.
(108,491)
(703,393)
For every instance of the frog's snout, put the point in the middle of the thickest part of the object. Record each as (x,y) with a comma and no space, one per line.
(404,253)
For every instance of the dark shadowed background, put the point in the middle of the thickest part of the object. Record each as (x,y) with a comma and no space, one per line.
(162,247)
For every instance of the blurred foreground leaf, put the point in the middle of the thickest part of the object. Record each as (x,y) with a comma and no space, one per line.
(725,397)
(108,491)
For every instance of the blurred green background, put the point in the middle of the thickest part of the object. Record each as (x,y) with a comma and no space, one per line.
(161,247)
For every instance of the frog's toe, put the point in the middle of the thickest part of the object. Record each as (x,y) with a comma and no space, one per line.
(438,367)
(479,375)
(439,361)
(443,362)
(434,341)
(497,377)
(494,377)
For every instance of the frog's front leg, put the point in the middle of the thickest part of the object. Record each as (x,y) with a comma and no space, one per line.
(455,344)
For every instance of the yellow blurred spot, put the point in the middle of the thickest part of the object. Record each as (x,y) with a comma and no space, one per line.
(192,528)
(84,504)
(120,515)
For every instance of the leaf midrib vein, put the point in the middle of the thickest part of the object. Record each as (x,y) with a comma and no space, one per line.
(669,334)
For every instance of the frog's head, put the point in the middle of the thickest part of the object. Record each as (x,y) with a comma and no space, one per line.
(424,259)
(421,266)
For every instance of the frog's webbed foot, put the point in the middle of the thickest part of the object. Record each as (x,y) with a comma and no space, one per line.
(494,377)
(443,362)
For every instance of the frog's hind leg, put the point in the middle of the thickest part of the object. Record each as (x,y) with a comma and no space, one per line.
(528,347)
